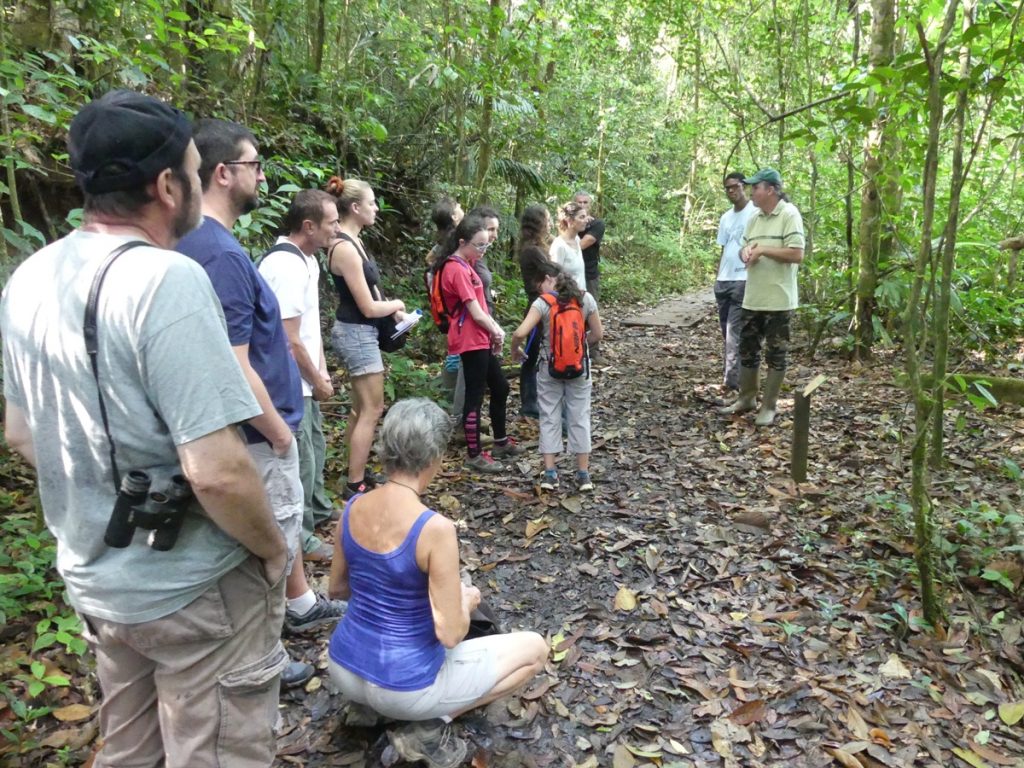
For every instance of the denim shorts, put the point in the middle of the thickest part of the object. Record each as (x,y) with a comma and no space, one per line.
(356,345)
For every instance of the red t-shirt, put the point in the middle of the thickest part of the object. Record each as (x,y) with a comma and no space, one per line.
(460,284)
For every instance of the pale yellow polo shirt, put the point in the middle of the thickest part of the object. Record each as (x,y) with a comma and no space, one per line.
(771,285)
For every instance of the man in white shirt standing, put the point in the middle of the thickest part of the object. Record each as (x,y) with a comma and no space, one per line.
(293,273)
(732,274)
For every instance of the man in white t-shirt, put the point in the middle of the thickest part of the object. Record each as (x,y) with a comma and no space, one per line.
(732,274)
(293,273)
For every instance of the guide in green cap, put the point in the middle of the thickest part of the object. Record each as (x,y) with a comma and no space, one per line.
(765,174)
(773,247)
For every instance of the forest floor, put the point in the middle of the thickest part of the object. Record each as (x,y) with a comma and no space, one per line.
(703,609)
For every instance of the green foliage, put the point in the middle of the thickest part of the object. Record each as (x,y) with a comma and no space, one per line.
(31,589)
(409,378)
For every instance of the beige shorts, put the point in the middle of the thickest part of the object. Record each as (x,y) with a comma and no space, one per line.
(198,688)
(469,672)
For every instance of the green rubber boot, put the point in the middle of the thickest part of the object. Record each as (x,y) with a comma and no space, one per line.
(772,385)
(747,401)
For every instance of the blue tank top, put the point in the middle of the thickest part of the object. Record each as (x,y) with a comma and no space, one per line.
(387,634)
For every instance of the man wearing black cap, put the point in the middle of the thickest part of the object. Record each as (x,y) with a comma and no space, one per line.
(773,247)
(187,638)
(231,174)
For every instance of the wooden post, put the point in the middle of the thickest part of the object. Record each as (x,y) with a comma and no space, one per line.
(802,429)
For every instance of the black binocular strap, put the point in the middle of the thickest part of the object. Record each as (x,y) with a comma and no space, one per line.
(91,333)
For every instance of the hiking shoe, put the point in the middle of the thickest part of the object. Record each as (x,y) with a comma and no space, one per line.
(432,741)
(583,481)
(321,553)
(324,611)
(484,463)
(509,448)
(549,480)
(353,490)
(296,673)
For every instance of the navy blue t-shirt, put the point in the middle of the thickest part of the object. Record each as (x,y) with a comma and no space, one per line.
(253,316)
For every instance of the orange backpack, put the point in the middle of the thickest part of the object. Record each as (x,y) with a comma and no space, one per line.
(438,311)
(568,358)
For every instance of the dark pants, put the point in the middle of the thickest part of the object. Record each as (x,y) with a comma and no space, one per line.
(773,328)
(729,295)
(483,371)
(528,376)
(594,289)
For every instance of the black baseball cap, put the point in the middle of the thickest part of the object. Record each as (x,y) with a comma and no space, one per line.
(124,139)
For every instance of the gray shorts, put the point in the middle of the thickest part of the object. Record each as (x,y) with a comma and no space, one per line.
(283,484)
(356,345)
(468,673)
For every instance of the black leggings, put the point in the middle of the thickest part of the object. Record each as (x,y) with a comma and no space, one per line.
(482,370)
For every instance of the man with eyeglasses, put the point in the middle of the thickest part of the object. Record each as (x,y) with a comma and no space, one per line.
(231,174)
(731,282)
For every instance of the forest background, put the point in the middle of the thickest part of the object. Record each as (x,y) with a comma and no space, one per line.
(896,129)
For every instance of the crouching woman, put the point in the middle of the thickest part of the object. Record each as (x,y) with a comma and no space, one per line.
(400,648)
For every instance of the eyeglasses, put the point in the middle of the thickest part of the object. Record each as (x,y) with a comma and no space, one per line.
(257,164)
(481,248)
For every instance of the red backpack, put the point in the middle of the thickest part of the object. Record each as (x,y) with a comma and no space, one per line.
(568,358)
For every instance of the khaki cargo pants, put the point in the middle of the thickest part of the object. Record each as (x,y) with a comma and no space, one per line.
(198,688)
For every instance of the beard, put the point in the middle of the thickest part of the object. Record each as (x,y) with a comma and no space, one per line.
(247,202)
(190,215)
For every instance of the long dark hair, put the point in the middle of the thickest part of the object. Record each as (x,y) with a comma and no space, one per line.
(532,231)
(566,286)
(468,227)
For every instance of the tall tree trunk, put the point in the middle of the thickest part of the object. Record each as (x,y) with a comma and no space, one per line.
(853,9)
(882,51)
(495,21)
(914,322)
(940,318)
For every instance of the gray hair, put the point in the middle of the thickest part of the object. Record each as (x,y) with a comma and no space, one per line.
(414,435)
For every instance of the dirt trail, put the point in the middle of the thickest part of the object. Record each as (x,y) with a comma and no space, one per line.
(704,610)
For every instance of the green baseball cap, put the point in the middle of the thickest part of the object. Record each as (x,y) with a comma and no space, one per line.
(765,174)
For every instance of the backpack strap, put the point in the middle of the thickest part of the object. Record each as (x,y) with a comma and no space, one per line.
(464,263)
(282,248)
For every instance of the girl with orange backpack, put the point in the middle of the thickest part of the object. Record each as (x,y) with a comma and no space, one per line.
(568,318)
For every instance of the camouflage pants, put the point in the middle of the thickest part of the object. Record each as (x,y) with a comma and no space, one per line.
(773,328)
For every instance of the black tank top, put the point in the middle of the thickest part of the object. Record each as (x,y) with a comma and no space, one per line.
(348,310)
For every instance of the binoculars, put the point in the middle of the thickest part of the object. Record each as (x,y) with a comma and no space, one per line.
(159,512)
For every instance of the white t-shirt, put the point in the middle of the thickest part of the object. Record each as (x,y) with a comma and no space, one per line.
(730,237)
(298,292)
(570,258)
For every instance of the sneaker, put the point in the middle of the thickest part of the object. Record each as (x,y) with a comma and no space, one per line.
(432,741)
(509,448)
(296,673)
(549,480)
(321,553)
(324,611)
(352,490)
(484,463)
(583,481)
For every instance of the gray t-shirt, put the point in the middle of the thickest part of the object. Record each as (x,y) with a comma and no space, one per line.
(168,376)
(589,307)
